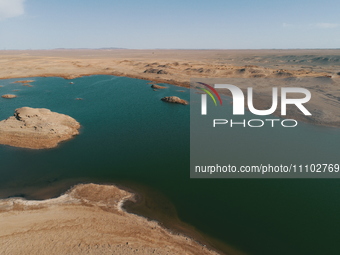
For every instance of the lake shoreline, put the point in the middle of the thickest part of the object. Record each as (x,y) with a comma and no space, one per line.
(23,209)
(177,67)
(261,101)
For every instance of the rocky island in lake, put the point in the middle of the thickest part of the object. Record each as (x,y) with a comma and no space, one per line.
(8,96)
(37,128)
(175,100)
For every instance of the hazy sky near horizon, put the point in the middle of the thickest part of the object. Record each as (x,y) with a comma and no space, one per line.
(176,24)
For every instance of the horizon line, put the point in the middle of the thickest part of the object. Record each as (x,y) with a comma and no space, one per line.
(120,48)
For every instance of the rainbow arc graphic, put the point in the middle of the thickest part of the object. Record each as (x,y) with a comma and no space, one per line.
(210,91)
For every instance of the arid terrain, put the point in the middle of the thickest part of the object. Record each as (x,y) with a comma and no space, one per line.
(171,66)
(88,219)
(179,66)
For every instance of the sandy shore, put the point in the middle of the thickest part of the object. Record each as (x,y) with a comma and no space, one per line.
(179,66)
(88,219)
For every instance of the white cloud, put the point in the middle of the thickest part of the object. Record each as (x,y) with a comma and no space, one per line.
(11,8)
(327,25)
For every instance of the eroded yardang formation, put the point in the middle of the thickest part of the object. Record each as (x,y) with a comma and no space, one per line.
(9,96)
(37,128)
(155,86)
(175,100)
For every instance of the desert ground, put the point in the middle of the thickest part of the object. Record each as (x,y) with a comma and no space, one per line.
(88,219)
(179,66)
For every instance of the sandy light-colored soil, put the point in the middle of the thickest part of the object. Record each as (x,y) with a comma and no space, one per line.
(172,66)
(179,66)
(88,219)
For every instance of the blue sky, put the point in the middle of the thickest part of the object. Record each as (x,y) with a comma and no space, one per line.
(186,24)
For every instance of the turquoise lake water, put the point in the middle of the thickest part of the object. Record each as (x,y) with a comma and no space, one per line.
(129,135)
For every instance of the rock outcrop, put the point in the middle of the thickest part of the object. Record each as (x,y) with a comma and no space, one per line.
(154,86)
(175,100)
(8,96)
(37,128)
(157,71)
(25,81)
